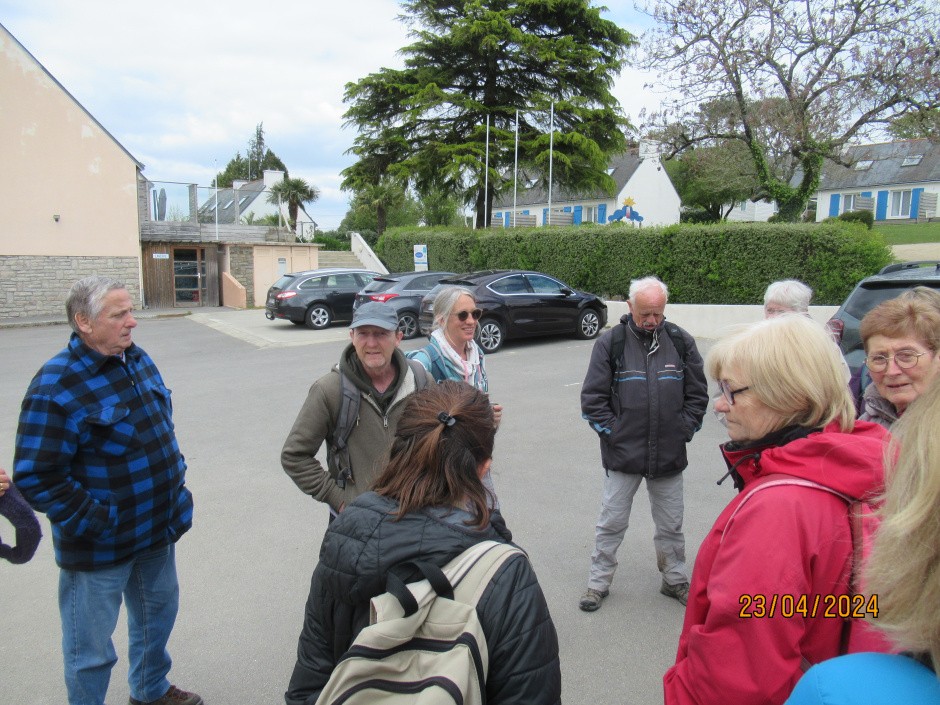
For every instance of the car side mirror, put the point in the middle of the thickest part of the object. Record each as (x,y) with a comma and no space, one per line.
(566,291)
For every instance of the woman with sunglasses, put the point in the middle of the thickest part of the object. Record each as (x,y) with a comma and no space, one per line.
(452,352)
(901,338)
(796,454)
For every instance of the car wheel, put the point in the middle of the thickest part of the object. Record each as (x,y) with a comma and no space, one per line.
(589,324)
(490,335)
(408,325)
(318,317)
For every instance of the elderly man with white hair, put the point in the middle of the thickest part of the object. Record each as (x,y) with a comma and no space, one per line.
(787,296)
(644,394)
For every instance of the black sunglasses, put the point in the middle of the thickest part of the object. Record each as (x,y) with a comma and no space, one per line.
(476,313)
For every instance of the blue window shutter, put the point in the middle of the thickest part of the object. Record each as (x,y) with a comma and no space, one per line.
(545,216)
(915,201)
(834,205)
(567,209)
(577,215)
(507,222)
(602,213)
(881,210)
(866,194)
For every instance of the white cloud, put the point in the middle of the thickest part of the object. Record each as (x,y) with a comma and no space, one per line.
(182,84)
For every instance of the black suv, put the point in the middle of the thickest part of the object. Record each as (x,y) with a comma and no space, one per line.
(871,291)
(316,297)
(403,292)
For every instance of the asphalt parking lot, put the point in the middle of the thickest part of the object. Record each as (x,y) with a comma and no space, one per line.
(238,381)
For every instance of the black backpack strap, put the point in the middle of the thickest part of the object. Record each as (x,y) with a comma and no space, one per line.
(678,340)
(338,450)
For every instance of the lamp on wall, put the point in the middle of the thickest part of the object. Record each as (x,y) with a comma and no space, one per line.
(56,217)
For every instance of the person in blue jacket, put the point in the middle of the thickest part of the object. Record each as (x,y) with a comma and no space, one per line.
(904,573)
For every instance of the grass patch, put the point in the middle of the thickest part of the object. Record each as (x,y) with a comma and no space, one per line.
(909,233)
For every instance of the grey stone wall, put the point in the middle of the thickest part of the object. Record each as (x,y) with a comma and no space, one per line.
(33,286)
(242,267)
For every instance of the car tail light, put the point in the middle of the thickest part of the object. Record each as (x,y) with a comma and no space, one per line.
(836,327)
(285,295)
(382,298)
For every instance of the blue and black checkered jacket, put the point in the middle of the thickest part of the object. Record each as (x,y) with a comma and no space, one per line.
(96,451)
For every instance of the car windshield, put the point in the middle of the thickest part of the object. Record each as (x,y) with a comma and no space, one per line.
(870,295)
(379,284)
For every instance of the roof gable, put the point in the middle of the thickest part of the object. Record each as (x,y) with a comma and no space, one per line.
(621,168)
(874,165)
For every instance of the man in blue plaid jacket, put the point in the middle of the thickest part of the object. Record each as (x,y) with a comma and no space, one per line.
(96,451)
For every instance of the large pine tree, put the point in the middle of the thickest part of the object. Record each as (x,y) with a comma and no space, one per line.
(425,124)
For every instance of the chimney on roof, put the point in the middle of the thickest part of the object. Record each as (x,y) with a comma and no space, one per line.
(272,177)
(238,183)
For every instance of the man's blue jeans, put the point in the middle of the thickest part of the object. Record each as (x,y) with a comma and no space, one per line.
(89,602)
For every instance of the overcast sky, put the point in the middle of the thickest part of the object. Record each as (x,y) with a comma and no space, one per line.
(181,85)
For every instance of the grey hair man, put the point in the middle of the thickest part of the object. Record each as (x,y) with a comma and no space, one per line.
(787,296)
(645,395)
(375,374)
(96,451)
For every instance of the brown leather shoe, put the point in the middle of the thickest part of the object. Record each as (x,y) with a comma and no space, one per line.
(174,696)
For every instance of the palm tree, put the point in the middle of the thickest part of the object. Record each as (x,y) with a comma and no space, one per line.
(295,192)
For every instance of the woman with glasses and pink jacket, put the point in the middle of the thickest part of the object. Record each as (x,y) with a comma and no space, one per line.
(771,576)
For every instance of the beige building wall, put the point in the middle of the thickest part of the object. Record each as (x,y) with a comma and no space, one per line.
(58,161)
(272,261)
(68,193)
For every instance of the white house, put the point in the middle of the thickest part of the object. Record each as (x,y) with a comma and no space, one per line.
(644,196)
(246,202)
(897,181)
(748,211)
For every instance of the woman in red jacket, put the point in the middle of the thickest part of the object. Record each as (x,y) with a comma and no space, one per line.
(765,597)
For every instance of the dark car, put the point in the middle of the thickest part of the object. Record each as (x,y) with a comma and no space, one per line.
(404,292)
(521,304)
(871,291)
(316,297)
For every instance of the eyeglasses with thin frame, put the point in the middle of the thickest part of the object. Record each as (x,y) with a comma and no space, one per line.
(462,315)
(905,359)
(728,393)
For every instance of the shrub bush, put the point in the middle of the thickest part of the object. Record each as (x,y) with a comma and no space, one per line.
(866,217)
(723,263)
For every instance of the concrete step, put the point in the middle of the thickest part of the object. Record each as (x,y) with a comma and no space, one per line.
(338,259)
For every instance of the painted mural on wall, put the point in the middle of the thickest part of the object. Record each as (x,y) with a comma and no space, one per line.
(627,213)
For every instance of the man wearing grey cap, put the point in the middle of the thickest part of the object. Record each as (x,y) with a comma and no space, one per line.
(361,398)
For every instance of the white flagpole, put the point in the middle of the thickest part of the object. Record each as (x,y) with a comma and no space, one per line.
(486,178)
(551,143)
(515,173)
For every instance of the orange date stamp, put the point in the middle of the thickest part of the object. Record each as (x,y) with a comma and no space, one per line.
(761,606)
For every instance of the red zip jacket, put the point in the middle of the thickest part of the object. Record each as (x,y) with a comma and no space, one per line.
(785,541)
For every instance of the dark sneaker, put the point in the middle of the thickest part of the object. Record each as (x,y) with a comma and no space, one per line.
(679,592)
(591,600)
(174,696)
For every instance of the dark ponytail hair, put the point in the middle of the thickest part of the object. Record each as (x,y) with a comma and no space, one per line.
(444,435)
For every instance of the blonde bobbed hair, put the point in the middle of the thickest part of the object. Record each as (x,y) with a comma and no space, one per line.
(904,566)
(792,366)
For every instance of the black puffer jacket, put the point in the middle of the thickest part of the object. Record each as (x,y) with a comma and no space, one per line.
(359,549)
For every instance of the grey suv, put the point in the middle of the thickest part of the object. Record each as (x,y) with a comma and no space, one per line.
(871,291)
(403,291)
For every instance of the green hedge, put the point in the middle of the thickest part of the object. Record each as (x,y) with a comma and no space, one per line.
(723,263)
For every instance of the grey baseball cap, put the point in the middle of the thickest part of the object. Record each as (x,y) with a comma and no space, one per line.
(377,314)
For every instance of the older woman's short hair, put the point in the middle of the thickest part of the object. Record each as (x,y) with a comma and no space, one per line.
(444,302)
(792,366)
(790,294)
(906,317)
(86,298)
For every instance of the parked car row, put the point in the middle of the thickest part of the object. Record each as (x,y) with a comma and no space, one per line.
(515,303)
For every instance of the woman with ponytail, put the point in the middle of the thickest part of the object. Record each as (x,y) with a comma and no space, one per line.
(429,504)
